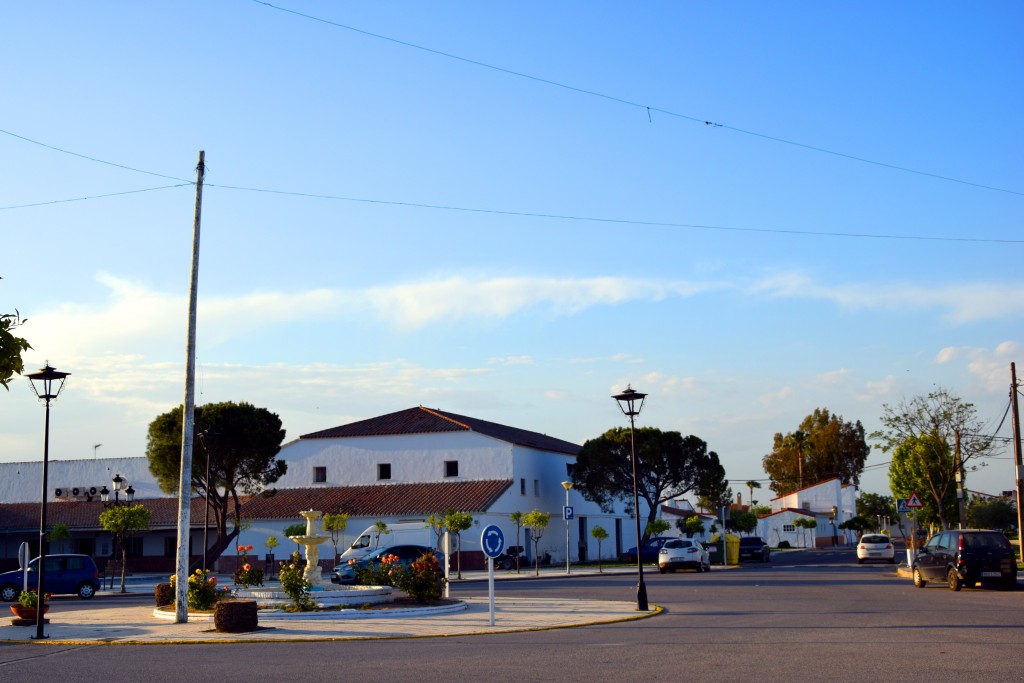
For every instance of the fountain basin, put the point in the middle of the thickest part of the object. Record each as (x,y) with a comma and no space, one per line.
(324,596)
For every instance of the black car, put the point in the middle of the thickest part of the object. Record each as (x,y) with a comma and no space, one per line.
(76,574)
(754,548)
(966,557)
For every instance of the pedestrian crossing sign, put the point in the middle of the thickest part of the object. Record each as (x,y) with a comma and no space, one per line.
(914,501)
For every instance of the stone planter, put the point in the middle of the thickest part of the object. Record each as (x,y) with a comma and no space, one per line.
(235,616)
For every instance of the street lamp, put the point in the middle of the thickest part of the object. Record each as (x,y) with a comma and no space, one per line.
(565,513)
(47,384)
(129,494)
(835,512)
(627,402)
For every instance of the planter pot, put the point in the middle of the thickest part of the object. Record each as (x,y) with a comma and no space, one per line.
(27,613)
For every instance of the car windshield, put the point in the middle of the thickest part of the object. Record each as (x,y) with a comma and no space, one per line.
(875,539)
(751,540)
(988,541)
(674,544)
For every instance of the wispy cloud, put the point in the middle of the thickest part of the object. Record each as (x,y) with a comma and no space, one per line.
(959,303)
(991,366)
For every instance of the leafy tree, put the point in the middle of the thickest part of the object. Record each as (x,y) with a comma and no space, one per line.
(58,532)
(924,465)
(992,514)
(380,528)
(929,426)
(667,466)
(600,535)
(517,519)
(335,524)
(690,526)
(295,530)
(875,505)
(656,527)
(11,348)
(859,524)
(743,520)
(436,524)
(123,521)
(823,447)
(536,521)
(805,524)
(242,442)
(457,522)
(271,543)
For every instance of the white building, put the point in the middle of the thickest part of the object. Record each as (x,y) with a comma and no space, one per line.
(402,466)
(829,503)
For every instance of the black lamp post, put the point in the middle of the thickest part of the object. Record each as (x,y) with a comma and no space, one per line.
(627,401)
(47,384)
(129,495)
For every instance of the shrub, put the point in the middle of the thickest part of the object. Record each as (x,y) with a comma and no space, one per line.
(203,592)
(247,575)
(784,544)
(422,580)
(295,585)
(163,593)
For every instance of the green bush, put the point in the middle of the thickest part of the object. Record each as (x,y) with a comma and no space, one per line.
(422,580)
(295,585)
(203,593)
(784,544)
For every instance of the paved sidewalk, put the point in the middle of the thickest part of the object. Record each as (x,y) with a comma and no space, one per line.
(109,621)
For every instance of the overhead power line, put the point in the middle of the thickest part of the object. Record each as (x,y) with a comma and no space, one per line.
(496,212)
(646,108)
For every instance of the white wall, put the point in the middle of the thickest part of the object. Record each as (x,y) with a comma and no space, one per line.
(21,482)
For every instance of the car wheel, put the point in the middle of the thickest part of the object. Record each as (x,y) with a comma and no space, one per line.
(1010,583)
(953,579)
(662,570)
(860,560)
(918,579)
(507,563)
(86,591)
(8,593)
(892,560)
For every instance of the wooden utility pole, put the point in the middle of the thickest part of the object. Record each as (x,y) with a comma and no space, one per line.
(185,476)
(1017,457)
(961,500)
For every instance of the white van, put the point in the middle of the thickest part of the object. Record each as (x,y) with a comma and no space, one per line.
(400,533)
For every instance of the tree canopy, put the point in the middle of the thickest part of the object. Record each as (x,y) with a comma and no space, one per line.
(241,442)
(922,433)
(924,465)
(11,348)
(823,447)
(667,465)
(123,521)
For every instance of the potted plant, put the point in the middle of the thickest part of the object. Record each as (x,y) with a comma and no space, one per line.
(28,605)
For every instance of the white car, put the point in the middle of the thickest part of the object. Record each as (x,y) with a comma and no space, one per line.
(683,553)
(875,547)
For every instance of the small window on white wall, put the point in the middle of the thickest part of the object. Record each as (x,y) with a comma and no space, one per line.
(788,528)
(536,487)
(383,470)
(451,468)
(522,487)
(319,475)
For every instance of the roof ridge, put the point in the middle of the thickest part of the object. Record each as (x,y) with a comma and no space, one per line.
(437,413)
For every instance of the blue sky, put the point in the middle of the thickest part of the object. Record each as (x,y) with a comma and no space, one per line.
(510,212)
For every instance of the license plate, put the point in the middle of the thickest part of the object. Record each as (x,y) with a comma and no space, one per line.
(990,575)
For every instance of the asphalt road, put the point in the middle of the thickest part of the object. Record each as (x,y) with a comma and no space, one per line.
(806,616)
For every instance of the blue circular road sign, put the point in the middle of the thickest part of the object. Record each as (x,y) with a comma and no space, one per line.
(492,541)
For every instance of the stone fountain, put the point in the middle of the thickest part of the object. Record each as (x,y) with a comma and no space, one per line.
(311,541)
(325,595)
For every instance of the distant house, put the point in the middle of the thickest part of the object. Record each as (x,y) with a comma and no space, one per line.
(401,466)
(815,502)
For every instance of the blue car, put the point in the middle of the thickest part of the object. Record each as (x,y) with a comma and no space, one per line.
(73,574)
(407,554)
(649,551)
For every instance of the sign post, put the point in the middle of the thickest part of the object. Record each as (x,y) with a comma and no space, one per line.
(23,558)
(492,542)
(912,505)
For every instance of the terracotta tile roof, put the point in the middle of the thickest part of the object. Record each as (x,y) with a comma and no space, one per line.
(426,421)
(387,500)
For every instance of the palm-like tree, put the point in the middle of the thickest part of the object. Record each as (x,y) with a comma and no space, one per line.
(751,485)
(799,440)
